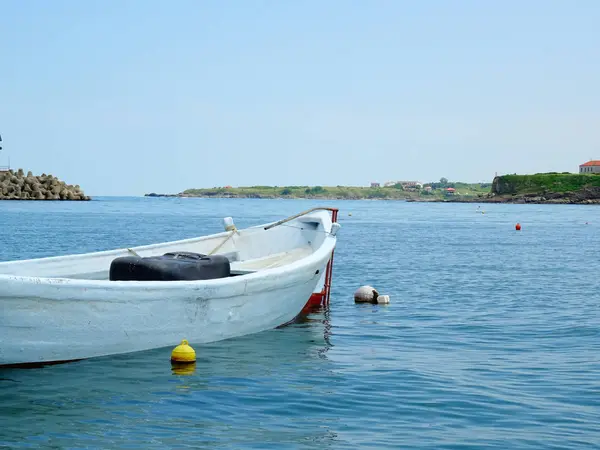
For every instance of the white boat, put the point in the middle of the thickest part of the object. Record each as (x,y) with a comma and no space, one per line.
(66,308)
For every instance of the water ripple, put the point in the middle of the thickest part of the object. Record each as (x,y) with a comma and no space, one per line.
(491,339)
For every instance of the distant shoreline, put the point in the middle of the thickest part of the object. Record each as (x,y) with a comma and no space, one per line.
(541,188)
(281,197)
(482,200)
(517,201)
(277,197)
(406,192)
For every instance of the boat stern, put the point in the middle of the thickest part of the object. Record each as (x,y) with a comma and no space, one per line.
(321,296)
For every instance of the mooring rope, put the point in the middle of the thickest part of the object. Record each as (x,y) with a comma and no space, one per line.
(232,232)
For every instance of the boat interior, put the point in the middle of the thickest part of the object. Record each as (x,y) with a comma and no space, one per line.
(249,250)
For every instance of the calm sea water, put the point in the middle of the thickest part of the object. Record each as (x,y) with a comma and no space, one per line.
(491,340)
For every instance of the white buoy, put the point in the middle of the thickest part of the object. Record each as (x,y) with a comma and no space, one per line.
(368,294)
(383,299)
(365,294)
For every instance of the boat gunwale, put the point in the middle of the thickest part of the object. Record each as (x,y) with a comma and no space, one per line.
(76,256)
(327,247)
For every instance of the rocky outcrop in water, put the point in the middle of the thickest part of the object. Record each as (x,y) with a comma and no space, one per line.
(154,194)
(18,186)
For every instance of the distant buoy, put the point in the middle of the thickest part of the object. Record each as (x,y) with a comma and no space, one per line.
(349,214)
(368,294)
(183,353)
(518,227)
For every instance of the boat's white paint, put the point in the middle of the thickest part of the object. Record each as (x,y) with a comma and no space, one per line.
(65,308)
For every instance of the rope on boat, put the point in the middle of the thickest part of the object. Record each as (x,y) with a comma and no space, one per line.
(234,230)
(231,233)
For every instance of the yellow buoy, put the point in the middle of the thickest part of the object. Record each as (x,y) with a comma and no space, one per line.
(183,353)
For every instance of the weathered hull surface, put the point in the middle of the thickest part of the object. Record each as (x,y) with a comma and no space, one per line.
(44,320)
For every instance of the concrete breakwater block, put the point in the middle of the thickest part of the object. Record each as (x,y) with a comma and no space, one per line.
(18,186)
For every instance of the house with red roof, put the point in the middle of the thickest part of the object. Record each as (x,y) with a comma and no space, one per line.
(590,167)
(450,191)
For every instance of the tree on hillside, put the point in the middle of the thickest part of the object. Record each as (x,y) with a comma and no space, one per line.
(443,184)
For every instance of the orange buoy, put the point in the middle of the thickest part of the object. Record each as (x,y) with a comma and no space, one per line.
(518,227)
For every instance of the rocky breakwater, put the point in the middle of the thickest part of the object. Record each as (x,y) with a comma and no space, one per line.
(18,186)
(587,195)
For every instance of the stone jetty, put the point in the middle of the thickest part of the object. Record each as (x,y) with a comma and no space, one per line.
(18,186)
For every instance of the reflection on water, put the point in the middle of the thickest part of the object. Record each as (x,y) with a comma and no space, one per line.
(232,379)
(183,368)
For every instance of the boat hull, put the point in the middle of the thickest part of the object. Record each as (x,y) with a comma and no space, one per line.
(46,319)
(70,328)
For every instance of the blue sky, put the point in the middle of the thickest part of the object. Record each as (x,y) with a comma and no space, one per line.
(129,97)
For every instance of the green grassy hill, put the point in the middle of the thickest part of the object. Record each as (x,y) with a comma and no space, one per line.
(542,183)
(340,192)
(325,192)
(537,188)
